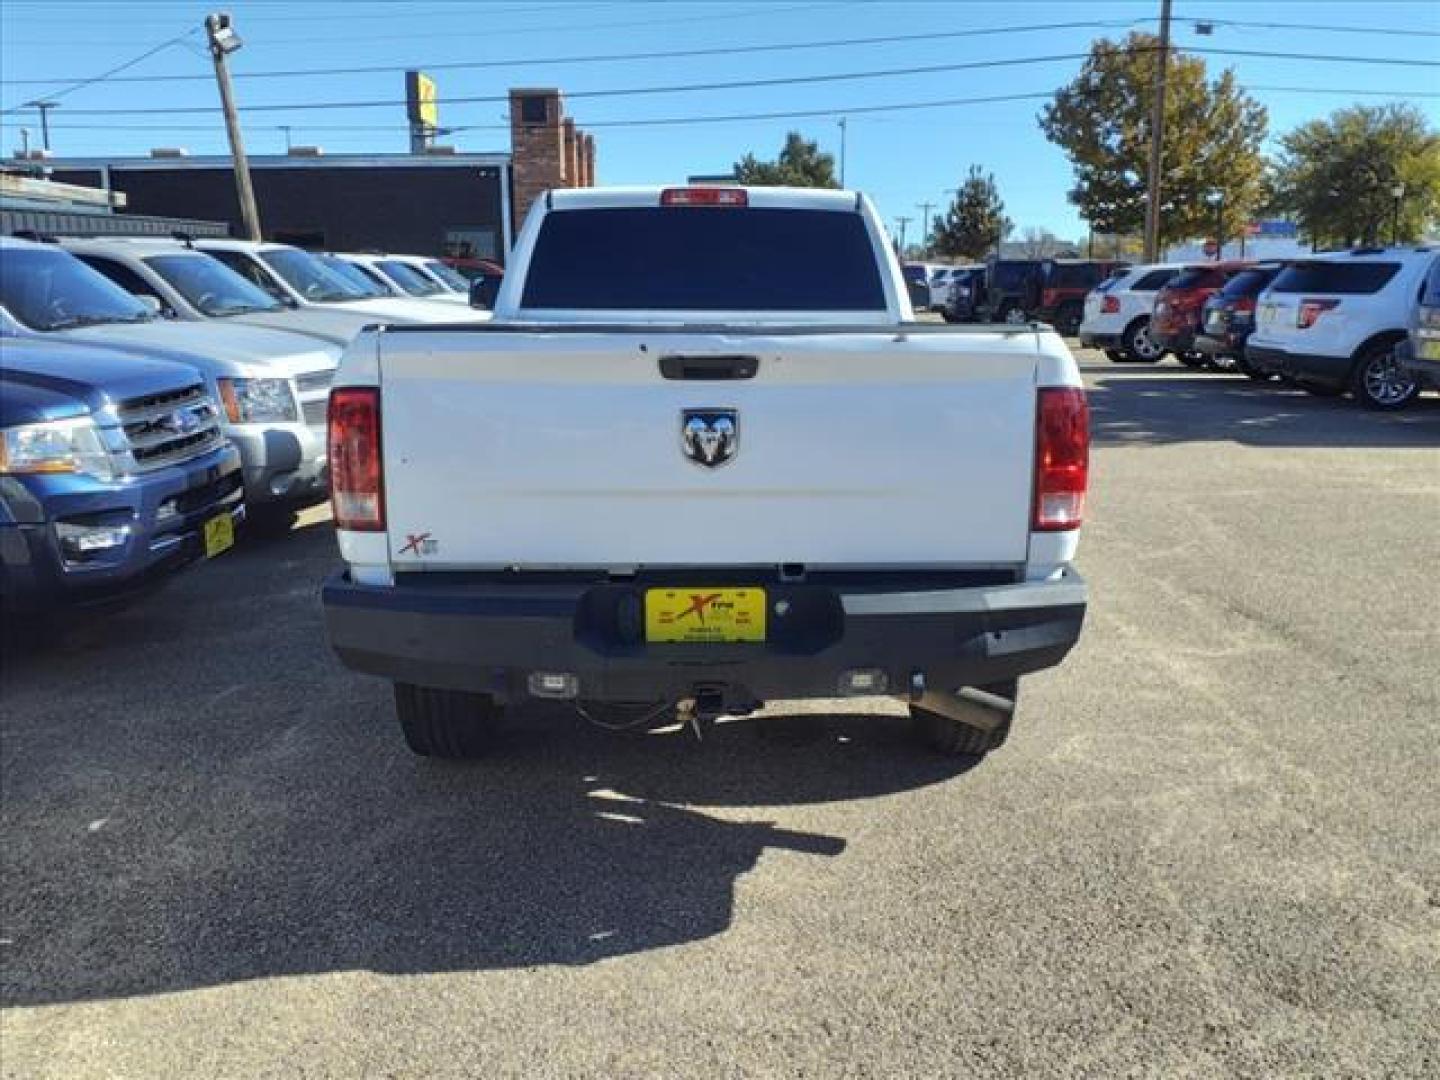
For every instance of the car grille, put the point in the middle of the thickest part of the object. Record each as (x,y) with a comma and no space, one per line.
(314,390)
(164,429)
(312,381)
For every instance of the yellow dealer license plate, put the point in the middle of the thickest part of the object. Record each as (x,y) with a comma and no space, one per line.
(219,535)
(1430,348)
(704,615)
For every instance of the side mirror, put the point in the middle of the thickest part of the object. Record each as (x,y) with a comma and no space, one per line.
(483,291)
(152,304)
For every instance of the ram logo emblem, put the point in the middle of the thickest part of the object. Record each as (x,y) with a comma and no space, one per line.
(710,437)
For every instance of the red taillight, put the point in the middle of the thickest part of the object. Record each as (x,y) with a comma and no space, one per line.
(1311,310)
(704,196)
(1049,297)
(1110,305)
(1062,459)
(357,473)
(1243,303)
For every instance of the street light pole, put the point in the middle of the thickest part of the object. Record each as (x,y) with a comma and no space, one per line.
(903,221)
(844,123)
(223,41)
(1217,200)
(1398,192)
(1157,139)
(925,208)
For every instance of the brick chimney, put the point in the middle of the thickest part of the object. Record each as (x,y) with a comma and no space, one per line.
(570,171)
(537,145)
(587,170)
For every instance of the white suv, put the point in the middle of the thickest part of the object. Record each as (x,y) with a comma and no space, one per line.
(191,286)
(1336,323)
(1117,313)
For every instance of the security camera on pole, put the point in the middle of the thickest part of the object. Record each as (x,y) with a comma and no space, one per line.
(223,41)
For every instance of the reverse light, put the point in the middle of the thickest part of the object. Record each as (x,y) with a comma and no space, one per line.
(559,685)
(703,196)
(1062,459)
(357,473)
(1110,305)
(1311,310)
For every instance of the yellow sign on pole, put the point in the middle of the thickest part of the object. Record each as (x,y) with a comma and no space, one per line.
(421,99)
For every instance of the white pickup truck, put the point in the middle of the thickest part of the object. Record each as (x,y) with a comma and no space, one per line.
(682,469)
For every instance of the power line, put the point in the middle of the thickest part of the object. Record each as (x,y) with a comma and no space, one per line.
(745,84)
(615,57)
(1246,25)
(104,75)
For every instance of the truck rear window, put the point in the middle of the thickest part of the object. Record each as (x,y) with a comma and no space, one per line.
(1347,279)
(693,258)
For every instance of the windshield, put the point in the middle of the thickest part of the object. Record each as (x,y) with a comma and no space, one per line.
(408,278)
(1249,282)
(1195,278)
(311,278)
(454,281)
(1010,275)
(48,289)
(687,258)
(211,286)
(1341,278)
(357,276)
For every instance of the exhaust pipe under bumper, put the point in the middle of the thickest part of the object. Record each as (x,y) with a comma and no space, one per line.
(969,705)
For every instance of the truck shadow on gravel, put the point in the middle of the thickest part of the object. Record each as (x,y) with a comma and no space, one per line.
(199,795)
(1160,406)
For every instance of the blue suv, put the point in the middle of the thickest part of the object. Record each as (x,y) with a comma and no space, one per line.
(113,474)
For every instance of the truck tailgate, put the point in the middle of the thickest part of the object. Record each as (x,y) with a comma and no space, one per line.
(538,448)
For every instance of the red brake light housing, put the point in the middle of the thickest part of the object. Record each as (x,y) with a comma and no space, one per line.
(704,196)
(1049,297)
(1062,459)
(357,471)
(1110,305)
(1311,310)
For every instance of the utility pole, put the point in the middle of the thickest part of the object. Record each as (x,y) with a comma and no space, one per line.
(925,208)
(43,107)
(223,41)
(286,129)
(1157,139)
(843,122)
(903,221)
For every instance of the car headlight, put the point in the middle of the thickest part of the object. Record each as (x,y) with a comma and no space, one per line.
(249,401)
(56,446)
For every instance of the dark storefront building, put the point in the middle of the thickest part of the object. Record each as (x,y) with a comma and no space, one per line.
(437,202)
(434,204)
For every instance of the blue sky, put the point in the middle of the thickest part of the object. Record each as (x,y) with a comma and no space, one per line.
(902,158)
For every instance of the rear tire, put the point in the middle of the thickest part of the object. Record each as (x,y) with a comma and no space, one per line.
(1068,319)
(1138,343)
(954,739)
(449,724)
(1378,381)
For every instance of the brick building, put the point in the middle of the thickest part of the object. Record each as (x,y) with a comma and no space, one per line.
(436,203)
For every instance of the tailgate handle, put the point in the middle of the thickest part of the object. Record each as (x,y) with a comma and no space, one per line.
(709,368)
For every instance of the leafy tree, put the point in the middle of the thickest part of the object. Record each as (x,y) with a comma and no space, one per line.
(975,223)
(1337,176)
(1213,132)
(800,164)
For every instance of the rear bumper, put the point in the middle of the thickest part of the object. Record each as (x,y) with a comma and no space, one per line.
(490,636)
(1093,339)
(1307,367)
(1177,341)
(1426,369)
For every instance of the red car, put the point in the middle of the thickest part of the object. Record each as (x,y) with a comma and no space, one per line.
(1175,323)
(472,267)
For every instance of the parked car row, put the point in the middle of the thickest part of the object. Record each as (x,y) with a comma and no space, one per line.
(1010,290)
(1353,322)
(155,393)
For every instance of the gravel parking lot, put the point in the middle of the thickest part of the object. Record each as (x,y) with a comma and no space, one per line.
(1211,847)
